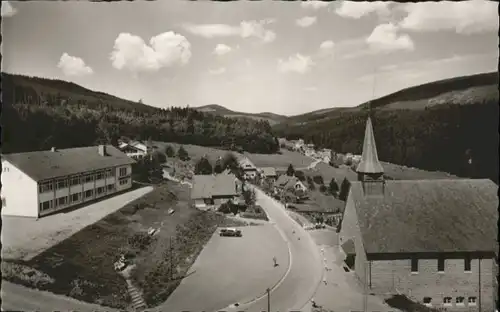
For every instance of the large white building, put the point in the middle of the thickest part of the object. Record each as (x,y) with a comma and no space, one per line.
(35,184)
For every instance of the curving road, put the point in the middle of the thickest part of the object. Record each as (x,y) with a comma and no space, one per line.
(305,273)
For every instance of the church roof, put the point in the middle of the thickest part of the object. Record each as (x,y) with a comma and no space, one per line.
(456,215)
(369,160)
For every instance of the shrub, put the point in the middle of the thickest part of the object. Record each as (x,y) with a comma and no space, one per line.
(300,175)
(322,188)
(318,179)
(140,241)
(224,208)
(25,275)
(169,151)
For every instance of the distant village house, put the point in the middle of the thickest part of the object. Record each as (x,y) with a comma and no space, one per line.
(210,191)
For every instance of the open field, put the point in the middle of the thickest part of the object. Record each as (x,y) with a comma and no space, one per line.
(38,235)
(196,151)
(230,270)
(398,172)
(328,172)
(280,160)
(82,265)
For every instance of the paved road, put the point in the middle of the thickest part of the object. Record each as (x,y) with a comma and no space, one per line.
(304,276)
(20,298)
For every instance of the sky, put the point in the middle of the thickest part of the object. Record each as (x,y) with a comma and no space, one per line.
(249,56)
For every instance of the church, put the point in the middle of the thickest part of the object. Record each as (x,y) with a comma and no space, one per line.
(434,241)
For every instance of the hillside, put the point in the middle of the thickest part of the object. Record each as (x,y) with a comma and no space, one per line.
(454,91)
(222,111)
(40,113)
(436,126)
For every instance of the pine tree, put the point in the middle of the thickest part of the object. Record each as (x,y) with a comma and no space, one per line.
(290,171)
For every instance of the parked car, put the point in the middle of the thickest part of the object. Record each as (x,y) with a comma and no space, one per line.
(230,232)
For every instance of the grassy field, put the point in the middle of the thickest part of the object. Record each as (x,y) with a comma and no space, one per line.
(328,172)
(280,160)
(398,172)
(82,265)
(321,202)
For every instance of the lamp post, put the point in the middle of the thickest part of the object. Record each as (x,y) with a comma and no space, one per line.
(268,300)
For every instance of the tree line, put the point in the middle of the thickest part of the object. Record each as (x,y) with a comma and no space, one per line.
(41,113)
(459,139)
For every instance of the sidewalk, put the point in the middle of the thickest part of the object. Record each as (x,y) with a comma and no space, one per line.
(339,290)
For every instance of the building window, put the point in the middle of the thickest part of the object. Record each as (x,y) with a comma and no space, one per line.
(123,172)
(99,176)
(62,183)
(427,301)
(89,193)
(46,205)
(100,190)
(440,265)
(75,197)
(110,173)
(62,201)
(460,300)
(123,181)
(472,301)
(75,181)
(447,300)
(46,187)
(111,187)
(414,265)
(467,264)
(88,178)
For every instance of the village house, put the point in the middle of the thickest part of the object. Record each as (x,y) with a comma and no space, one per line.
(286,183)
(35,184)
(135,149)
(210,191)
(431,240)
(250,171)
(269,174)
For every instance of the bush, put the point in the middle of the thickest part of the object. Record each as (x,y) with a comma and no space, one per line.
(140,241)
(300,175)
(183,154)
(169,151)
(322,188)
(25,275)
(318,179)
(224,208)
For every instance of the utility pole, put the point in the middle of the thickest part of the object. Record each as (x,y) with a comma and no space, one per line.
(268,300)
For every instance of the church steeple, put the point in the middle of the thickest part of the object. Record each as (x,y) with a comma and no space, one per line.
(370,171)
(369,160)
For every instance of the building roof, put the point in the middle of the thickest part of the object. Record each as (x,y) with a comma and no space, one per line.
(41,165)
(207,186)
(428,216)
(349,247)
(283,180)
(369,160)
(268,171)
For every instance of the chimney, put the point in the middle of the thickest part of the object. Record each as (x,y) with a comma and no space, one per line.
(102,150)
(53,149)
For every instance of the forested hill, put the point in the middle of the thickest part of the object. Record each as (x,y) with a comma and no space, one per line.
(222,111)
(39,113)
(436,126)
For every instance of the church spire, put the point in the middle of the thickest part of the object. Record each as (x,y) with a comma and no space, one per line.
(369,160)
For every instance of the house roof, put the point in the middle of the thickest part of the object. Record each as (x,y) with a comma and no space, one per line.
(434,216)
(207,186)
(268,171)
(41,165)
(349,247)
(369,160)
(283,180)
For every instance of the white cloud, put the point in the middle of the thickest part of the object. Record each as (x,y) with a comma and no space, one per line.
(326,48)
(73,66)
(464,17)
(351,9)
(217,71)
(164,50)
(222,49)
(299,63)
(315,5)
(306,21)
(7,9)
(385,38)
(246,29)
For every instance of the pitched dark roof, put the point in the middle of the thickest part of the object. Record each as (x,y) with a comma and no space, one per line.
(207,186)
(349,247)
(428,216)
(369,160)
(43,165)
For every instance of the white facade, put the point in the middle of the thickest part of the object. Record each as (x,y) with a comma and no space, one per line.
(22,196)
(19,192)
